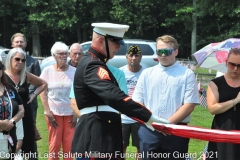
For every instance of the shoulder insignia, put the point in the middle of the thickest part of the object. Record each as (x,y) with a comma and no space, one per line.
(126,98)
(103,74)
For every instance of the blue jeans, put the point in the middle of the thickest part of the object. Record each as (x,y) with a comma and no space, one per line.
(154,145)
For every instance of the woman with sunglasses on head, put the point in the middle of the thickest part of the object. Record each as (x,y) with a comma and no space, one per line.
(223,100)
(20,80)
(11,111)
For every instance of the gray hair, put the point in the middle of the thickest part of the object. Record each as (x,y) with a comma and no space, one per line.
(76,45)
(59,46)
(10,55)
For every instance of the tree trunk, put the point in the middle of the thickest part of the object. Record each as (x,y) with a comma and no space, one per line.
(154,31)
(36,49)
(140,30)
(194,30)
(85,34)
(79,32)
(5,40)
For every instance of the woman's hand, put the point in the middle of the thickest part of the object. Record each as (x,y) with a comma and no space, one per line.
(237,99)
(73,121)
(6,125)
(31,98)
(51,119)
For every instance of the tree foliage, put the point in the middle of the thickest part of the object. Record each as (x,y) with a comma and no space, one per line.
(70,20)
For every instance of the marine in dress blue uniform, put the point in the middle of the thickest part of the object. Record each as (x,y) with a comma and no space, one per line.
(99,98)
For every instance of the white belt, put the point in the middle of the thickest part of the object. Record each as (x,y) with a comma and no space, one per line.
(99,108)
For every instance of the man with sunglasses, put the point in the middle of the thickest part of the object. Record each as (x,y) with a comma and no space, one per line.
(99,98)
(19,40)
(168,90)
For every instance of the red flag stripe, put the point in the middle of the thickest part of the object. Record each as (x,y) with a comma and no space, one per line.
(214,135)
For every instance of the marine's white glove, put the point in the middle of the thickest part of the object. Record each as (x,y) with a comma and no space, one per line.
(154,118)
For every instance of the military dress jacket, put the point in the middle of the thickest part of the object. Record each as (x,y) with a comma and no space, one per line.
(95,85)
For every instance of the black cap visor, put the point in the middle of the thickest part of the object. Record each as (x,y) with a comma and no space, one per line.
(116,40)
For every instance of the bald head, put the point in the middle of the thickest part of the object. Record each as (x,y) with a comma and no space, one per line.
(75,54)
(76,46)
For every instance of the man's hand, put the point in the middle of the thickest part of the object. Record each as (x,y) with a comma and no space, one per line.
(156,119)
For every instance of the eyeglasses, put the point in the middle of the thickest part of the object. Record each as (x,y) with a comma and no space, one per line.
(62,53)
(166,52)
(19,59)
(232,65)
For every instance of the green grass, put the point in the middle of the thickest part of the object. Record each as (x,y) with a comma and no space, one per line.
(205,71)
(42,127)
(200,117)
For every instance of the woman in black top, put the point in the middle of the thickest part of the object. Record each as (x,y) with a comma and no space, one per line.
(11,109)
(224,101)
(20,79)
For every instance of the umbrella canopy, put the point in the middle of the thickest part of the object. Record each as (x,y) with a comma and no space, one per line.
(203,53)
(216,60)
(214,55)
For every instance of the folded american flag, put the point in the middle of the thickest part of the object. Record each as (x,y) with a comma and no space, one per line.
(214,135)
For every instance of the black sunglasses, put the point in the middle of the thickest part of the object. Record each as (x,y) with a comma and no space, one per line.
(18,59)
(232,65)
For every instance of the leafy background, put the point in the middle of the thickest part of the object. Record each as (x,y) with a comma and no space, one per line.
(194,23)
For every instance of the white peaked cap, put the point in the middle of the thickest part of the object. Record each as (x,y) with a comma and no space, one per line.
(116,30)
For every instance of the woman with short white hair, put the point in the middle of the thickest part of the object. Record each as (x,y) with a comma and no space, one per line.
(56,102)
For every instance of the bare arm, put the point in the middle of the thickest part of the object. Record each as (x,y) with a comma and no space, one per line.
(74,107)
(214,106)
(38,82)
(49,114)
(182,113)
(20,113)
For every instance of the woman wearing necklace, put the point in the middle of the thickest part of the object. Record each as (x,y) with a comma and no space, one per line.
(223,99)
(20,79)
(55,99)
(11,110)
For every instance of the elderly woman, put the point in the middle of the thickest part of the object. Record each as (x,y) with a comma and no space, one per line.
(59,115)
(11,111)
(20,80)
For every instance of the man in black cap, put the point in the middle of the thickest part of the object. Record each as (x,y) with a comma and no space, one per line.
(98,132)
(132,72)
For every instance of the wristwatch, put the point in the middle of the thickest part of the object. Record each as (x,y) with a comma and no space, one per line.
(13,122)
(35,93)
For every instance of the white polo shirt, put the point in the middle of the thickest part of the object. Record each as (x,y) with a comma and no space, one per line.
(163,90)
